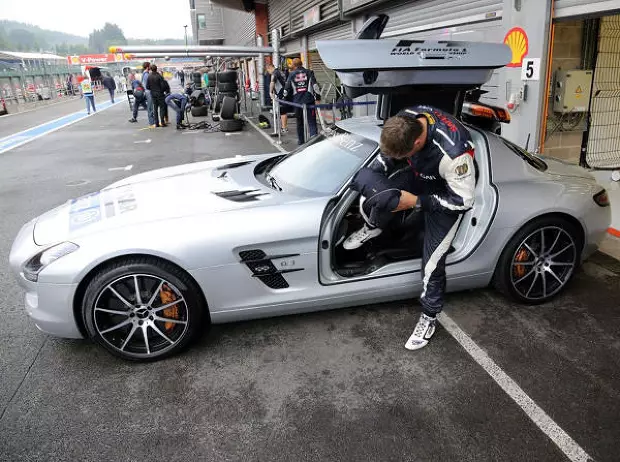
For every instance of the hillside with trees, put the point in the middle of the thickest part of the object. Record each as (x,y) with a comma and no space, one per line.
(18,36)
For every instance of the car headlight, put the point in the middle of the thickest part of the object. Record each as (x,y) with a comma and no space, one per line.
(46,257)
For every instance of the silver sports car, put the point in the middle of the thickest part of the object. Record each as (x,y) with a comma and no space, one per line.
(143,265)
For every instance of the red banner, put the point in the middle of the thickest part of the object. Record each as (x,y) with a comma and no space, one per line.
(92,59)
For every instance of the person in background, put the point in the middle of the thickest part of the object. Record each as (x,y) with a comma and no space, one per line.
(178,103)
(139,95)
(86,89)
(117,81)
(166,86)
(205,80)
(110,85)
(182,78)
(123,81)
(304,89)
(276,90)
(70,85)
(149,99)
(155,84)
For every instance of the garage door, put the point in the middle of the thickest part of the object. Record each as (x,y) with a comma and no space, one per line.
(568,8)
(424,15)
(604,133)
(293,47)
(326,77)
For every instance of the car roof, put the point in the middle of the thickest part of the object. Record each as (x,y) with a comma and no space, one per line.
(368,127)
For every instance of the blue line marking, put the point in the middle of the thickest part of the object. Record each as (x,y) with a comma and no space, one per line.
(26,136)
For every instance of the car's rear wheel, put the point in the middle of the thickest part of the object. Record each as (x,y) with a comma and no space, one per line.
(539,260)
(142,309)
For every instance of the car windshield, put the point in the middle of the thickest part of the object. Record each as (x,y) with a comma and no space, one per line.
(322,165)
(530,158)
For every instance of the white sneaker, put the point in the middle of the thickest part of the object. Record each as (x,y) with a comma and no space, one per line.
(424,330)
(359,237)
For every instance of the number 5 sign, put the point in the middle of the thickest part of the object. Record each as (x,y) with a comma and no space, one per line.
(530,70)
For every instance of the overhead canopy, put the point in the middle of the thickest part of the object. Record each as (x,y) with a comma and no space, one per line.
(241,5)
(18,56)
(383,66)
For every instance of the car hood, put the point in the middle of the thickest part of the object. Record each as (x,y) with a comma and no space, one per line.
(562,169)
(169,193)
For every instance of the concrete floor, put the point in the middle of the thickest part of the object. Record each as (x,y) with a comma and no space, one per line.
(329,386)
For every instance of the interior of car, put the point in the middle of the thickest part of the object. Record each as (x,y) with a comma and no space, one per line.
(405,237)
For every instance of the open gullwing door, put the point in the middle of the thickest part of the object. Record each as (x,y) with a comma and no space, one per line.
(437,71)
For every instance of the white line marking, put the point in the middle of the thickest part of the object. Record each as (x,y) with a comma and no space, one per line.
(147,141)
(52,130)
(265,135)
(563,441)
(126,168)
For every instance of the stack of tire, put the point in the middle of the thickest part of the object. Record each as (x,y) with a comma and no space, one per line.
(226,86)
(227,101)
(200,109)
(229,119)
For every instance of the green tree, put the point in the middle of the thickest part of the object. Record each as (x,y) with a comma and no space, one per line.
(5,43)
(100,39)
(23,40)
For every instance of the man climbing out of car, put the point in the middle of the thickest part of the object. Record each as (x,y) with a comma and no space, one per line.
(440,155)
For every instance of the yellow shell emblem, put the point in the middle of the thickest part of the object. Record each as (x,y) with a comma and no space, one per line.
(517,40)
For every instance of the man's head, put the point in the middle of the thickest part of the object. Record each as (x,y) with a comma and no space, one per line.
(402,137)
(297,63)
(146,66)
(153,68)
(270,68)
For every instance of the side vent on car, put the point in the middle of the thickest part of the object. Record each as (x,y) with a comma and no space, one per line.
(262,267)
(246,195)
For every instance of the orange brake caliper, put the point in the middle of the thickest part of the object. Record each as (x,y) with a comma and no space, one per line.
(522,255)
(168,296)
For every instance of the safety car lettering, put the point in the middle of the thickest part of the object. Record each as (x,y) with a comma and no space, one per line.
(347,142)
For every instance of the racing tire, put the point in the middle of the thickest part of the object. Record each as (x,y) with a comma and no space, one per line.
(139,329)
(200,111)
(539,260)
(232,94)
(228,87)
(231,125)
(211,76)
(218,104)
(226,77)
(229,108)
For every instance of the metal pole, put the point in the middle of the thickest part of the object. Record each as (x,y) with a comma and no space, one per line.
(261,76)
(275,43)
(305,122)
(190,49)
(192,54)
(274,110)
(185,36)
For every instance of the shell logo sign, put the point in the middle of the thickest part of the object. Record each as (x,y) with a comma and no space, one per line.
(519,44)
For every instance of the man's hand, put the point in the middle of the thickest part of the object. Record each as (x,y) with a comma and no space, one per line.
(407,201)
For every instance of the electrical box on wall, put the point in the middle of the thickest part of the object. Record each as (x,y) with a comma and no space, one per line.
(572,91)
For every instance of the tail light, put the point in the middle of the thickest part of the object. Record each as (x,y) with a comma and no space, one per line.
(601,199)
(487,112)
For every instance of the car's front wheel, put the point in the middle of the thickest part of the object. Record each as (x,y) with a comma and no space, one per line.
(142,309)
(539,260)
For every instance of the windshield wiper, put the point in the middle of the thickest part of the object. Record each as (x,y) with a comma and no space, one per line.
(273,182)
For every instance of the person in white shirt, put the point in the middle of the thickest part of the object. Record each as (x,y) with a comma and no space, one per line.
(86,88)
